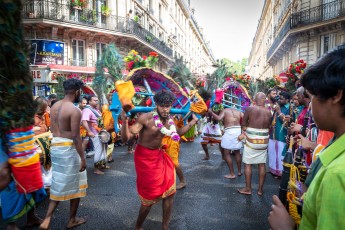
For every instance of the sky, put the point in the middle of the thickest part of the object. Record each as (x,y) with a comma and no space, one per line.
(229,25)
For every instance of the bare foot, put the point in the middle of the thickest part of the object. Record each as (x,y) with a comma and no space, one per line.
(230,176)
(45,224)
(260,193)
(105,167)
(181,185)
(206,158)
(245,191)
(76,222)
(98,172)
(239,174)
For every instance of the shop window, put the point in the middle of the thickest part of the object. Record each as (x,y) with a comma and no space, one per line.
(78,52)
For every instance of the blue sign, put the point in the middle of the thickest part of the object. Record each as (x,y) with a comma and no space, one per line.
(46,52)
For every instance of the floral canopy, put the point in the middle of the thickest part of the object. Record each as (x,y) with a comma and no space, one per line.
(237,91)
(158,81)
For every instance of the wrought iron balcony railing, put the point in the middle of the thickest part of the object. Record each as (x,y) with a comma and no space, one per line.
(285,29)
(320,13)
(91,18)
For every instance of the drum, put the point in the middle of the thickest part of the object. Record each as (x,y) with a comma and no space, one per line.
(42,142)
(104,136)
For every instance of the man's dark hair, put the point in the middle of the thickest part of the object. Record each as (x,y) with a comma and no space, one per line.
(89,97)
(270,90)
(53,102)
(71,85)
(52,96)
(204,94)
(164,98)
(286,95)
(327,76)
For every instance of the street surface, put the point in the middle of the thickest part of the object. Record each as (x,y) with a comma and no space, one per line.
(208,202)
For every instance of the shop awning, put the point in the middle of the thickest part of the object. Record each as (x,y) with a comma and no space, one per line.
(49,73)
(72,69)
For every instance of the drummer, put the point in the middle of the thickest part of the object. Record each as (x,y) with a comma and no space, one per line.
(92,122)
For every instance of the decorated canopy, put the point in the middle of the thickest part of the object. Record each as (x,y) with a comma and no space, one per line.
(236,95)
(157,81)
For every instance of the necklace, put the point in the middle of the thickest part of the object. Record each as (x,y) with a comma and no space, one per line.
(167,132)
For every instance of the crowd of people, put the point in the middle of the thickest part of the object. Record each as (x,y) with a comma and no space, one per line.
(312,117)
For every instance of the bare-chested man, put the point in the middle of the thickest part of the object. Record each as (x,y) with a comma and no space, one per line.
(155,170)
(69,176)
(230,143)
(256,123)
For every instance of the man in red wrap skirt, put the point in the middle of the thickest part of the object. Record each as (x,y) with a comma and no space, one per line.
(156,177)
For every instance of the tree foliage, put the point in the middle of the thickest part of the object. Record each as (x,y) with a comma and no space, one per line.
(181,74)
(112,60)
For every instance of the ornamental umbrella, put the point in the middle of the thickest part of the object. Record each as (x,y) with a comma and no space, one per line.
(157,81)
(237,92)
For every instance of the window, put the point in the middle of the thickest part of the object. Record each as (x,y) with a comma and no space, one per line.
(151,28)
(99,50)
(151,5)
(327,43)
(160,13)
(160,36)
(78,52)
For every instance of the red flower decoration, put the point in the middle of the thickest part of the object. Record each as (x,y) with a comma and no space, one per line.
(153,54)
(130,65)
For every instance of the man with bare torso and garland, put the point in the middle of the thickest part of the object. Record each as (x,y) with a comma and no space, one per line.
(155,170)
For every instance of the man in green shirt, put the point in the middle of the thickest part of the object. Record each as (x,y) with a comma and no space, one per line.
(324,202)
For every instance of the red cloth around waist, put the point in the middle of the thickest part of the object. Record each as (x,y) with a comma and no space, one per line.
(155,174)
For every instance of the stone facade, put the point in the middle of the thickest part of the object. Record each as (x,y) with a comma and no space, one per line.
(290,30)
(167,27)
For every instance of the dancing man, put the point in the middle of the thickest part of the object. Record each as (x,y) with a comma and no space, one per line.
(155,170)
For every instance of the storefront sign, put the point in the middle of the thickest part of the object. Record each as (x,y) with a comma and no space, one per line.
(39,75)
(86,78)
(46,52)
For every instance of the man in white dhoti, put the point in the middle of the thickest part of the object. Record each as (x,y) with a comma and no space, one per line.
(232,130)
(68,161)
(211,132)
(256,123)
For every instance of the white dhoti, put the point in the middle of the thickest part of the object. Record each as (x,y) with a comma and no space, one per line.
(275,157)
(211,134)
(100,151)
(230,138)
(255,148)
(67,182)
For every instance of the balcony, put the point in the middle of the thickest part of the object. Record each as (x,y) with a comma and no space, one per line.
(47,10)
(322,13)
(317,14)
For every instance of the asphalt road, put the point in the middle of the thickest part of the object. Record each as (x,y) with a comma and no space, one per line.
(208,202)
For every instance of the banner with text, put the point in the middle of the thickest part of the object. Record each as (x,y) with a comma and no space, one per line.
(46,52)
